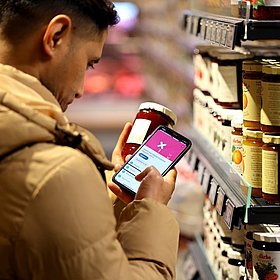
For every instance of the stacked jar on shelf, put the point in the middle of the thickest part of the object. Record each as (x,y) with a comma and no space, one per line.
(237,108)
(261,127)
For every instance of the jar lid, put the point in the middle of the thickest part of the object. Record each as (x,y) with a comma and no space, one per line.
(273,3)
(237,122)
(267,237)
(252,133)
(268,138)
(159,108)
(232,254)
(251,65)
(271,69)
(230,114)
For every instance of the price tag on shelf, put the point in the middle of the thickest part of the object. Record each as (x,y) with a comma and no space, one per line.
(213,31)
(220,204)
(200,172)
(193,161)
(202,29)
(230,36)
(189,24)
(223,35)
(195,26)
(213,191)
(206,181)
(219,27)
(228,214)
(208,30)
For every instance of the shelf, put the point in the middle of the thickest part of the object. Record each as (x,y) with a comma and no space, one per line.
(200,260)
(222,185)
(229,32)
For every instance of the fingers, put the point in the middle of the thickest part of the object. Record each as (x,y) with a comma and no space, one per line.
(117,153)
(123,137)
(122,195)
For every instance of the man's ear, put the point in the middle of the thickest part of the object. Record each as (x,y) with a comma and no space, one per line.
(57,32)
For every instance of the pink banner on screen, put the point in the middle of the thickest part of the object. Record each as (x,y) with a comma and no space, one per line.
(165,145)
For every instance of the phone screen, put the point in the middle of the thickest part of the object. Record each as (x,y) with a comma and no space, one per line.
(162,149)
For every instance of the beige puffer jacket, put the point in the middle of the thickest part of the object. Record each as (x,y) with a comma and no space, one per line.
(56,219)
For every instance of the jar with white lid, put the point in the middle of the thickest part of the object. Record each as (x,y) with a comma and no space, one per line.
(266,255)
(150,115)
(227,115)
(270,168)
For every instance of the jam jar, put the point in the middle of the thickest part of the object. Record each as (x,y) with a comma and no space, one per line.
(252,160)
(270,168)
(266,255)
(236,144)
(150,115)
(270,112)
(252,89)
(229,76)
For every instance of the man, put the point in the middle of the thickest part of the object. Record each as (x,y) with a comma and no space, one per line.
(56,218)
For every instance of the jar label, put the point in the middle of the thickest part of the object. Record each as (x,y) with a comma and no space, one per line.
(266,264)
(138,132)
(249,257)
(252,168)
(227,78)
(270,172)
(270,114)
(237,152)
(252,90)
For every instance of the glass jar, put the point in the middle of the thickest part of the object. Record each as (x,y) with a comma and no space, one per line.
(227,115)
(266,256)
(270,111)
(252,88)
(148,118)
(236,144)
(229,78)
(270,168)
(252,160)
(249,230)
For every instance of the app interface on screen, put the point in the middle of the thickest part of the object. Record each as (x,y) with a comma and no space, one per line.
(160,151)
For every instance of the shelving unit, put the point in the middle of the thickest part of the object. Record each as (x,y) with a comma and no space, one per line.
(222,185)
(229,32)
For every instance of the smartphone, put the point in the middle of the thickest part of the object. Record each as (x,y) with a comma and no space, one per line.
(162,149)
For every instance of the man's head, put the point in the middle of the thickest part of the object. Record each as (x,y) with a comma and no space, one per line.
(55,40)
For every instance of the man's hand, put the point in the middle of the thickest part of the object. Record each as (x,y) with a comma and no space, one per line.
(117,159)
(153,186)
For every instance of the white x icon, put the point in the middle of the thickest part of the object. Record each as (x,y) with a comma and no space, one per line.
(161,145)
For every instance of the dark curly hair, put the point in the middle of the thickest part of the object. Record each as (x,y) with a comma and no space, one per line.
(20,17)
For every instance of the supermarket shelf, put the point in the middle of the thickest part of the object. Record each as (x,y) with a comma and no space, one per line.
(222,184)
(200,259)
(229,31)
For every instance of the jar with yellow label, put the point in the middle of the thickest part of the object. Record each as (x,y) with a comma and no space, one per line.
(270,112)
(252,88)
(270,168)
(252,160)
